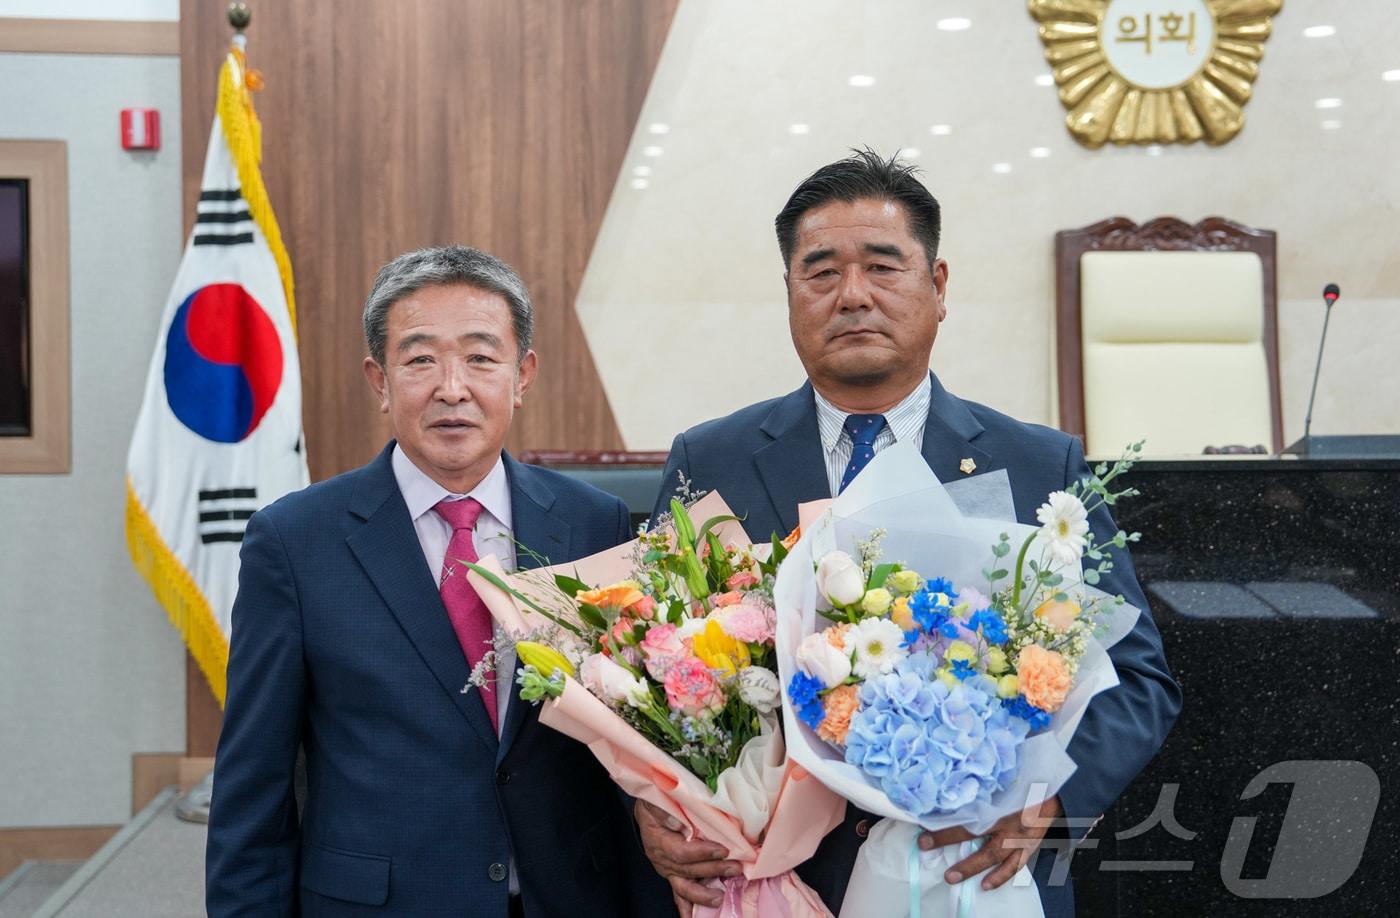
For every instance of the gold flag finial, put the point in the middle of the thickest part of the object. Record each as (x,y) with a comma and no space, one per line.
(239,16)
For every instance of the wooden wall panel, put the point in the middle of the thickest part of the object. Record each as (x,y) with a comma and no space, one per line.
(497,123)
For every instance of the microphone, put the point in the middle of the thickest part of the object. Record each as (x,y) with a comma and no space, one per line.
(1330,294)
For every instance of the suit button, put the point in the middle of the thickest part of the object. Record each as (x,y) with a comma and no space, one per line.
(497,872)
(503,777)
(863,828)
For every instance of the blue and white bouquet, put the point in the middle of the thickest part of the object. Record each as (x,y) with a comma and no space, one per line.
(917,696)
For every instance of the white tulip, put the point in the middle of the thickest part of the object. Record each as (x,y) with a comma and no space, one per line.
(840,579)
(820,660)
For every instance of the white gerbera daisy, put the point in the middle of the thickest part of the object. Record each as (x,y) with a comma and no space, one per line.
(1064,524)
(878,646)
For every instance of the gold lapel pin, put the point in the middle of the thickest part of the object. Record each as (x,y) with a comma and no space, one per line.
(967,466)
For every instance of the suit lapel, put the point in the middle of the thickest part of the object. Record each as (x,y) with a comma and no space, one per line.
(386,546)
(948,436)
(537,528)
(792,467)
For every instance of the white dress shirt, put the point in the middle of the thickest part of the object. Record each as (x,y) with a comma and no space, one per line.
(903,423)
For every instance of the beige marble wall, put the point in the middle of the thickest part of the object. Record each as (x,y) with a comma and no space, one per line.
(686,273)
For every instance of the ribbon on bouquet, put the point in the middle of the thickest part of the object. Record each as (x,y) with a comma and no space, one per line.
(967,890)
(892,876)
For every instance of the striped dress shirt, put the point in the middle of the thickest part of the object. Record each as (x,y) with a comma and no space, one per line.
(904,422)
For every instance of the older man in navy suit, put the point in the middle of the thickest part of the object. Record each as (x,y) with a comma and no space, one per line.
(859,240)
(355,636)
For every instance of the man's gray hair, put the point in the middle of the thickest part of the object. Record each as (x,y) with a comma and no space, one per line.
(443,266)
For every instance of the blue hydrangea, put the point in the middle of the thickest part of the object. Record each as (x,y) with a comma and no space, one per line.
(990,624)
(803,690)
(1037,718)
(932,748)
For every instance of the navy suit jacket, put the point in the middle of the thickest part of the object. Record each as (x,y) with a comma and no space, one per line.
(767,458)
(341,645)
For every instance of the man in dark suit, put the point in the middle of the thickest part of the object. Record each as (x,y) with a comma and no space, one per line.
(355,636)
(859,240)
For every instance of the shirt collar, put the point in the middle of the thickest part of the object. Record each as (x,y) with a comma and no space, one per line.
(904,420)
(421,493)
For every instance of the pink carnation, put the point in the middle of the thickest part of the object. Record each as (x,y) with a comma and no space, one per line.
(742,580)
(748,623)
(692,689)
(663,648)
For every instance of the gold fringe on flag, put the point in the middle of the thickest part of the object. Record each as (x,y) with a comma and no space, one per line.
(243,132)
(176,590)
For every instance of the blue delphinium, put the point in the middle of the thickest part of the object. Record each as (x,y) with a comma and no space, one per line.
(803,689)
(963,670)
(991,625)
(1037,718)
(930,605)
(931,747)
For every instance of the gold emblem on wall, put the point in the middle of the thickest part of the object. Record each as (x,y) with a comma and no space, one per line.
(1154,71)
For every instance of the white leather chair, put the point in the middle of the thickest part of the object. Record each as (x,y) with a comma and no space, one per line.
(1168,332)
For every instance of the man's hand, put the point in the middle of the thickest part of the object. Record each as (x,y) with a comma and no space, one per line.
(1008,846)
(683,862)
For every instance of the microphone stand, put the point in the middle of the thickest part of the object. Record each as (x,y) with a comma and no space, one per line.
(1317,371)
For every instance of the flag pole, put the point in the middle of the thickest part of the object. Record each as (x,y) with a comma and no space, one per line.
(194,805)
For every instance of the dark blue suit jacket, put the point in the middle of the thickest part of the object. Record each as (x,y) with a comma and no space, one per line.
(413,806)
(767,458)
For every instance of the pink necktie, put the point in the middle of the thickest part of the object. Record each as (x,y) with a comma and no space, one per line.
(468,614)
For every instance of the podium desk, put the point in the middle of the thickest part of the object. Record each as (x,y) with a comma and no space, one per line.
(1276,586)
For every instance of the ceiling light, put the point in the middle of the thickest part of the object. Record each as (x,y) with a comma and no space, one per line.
(639,183)
(1045,79)
(861,79)
(954,24)
(1039,152)
(1328,103)
(1391,76)
(1331,125)
(1319,31)
(1001,168)
(659,128)
(941,130)
(1154,150)
(910,153)
(799,129)
(652,151)
(642,171)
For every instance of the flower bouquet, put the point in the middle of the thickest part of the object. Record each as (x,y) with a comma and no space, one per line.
(932,679)
(667,675)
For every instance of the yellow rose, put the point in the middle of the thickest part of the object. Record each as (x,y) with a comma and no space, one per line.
(901,615)
(876,601)
(1008,686)
(544,659)
(959,650)
(996,661)
(719,651)
(905,581)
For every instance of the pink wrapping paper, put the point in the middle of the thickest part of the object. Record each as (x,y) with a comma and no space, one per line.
(804,812)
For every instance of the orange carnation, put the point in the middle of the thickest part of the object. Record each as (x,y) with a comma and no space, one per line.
(1044,678)
(792,538)
(836,635)
(618,596)
(840,703)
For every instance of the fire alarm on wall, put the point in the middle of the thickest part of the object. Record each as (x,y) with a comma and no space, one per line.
(140,129)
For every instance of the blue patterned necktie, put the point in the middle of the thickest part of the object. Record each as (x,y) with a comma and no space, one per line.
(862,429)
